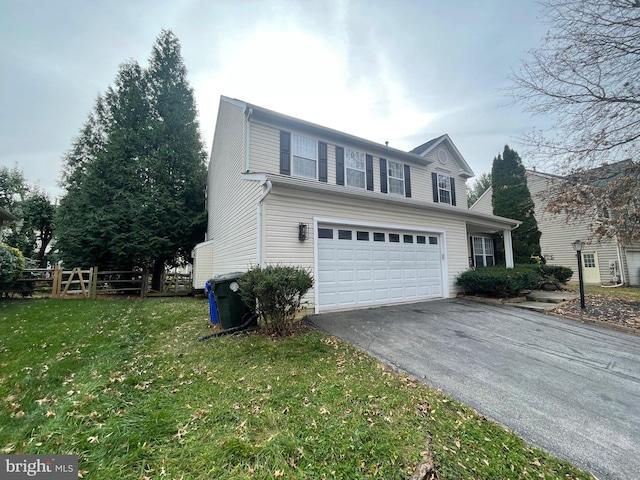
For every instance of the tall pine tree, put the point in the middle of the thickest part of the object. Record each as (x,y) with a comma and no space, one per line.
(177,174)
(136,174)
(511,198)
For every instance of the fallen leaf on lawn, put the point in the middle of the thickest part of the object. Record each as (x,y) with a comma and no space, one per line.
(278,473)
(93,439)
(457,442)
(9,448)
(50,413)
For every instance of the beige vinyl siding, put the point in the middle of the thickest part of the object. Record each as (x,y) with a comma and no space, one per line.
(202,264)
(451,168)
(264,150)
(483,204)
(558,234)
(265,158)
(287,208)
(231,200)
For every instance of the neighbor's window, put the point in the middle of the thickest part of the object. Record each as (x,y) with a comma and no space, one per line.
(305,156)
(483,253)
(354,164)
(444,188)
(396,178)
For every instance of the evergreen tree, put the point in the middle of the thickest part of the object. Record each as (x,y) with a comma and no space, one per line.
(136,173)
(177,176)
(481,185)
(511,198)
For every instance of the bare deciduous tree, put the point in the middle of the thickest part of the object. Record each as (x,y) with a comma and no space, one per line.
(587,74)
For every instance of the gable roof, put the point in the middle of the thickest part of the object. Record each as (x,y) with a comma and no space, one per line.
(6,216)
(424,149)
(286,121)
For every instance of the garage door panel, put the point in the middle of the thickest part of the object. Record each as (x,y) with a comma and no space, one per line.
(354,272)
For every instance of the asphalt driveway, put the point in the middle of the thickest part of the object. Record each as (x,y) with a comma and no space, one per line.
(569,388)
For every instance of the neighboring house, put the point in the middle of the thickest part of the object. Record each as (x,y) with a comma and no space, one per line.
(6,216)
(606,262)
(375,225)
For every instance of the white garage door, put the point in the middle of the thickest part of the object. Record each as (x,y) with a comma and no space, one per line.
(359,266)
(633,264)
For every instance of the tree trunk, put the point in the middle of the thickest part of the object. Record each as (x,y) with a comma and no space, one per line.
(157,281)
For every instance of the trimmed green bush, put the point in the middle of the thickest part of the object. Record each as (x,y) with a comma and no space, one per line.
(502,282)
(275,292)
(499,282)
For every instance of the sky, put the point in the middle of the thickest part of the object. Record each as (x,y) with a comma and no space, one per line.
(402,71)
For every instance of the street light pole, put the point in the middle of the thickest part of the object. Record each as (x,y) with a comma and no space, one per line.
(578,245)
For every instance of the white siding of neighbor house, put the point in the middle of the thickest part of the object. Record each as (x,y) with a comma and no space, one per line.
(286,208)
(265,158)
(202,264)
(558,234)
(231,201)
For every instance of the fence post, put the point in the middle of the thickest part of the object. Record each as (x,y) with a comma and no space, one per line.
(143,285)
(94,283)
(55,286)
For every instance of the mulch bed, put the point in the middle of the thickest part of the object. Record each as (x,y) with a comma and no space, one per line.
(610,309)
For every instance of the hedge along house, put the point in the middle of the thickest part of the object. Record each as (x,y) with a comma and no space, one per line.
(375,225)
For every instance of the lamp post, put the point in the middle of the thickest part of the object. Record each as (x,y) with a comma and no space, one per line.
(578,245)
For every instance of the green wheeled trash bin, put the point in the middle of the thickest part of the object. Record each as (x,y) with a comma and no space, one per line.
(232,311)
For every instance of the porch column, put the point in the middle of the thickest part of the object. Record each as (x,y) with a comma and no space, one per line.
(508,248)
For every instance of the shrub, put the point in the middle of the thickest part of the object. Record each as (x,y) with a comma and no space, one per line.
(505,282)
(500,282)
(11,267)
(275,292)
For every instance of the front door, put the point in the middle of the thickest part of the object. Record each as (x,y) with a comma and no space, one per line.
(590,268)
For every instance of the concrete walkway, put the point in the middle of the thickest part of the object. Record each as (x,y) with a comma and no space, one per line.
(570,388)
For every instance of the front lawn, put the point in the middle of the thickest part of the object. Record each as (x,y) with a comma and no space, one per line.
(125,385)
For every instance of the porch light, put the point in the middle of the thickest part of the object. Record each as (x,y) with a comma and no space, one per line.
(303,232)
(578,246)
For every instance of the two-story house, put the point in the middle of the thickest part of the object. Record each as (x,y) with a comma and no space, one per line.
(375,225)
(606,262)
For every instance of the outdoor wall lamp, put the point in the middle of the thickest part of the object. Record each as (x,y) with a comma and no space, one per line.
(578,246)
(303,232)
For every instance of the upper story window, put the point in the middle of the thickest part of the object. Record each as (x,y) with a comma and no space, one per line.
(396,177)
(444,188)
(355,166)
(304,152)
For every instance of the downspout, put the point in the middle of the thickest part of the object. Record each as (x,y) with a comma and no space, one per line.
(247,138)
(266,192)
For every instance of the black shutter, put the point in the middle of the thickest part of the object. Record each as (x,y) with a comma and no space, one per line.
(453,191)
(434,181)
(339,166)
(383,175)
(369,172)
(407,181)
(285,153)
(322,162)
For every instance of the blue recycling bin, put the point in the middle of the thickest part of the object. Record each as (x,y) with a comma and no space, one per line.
(213,311)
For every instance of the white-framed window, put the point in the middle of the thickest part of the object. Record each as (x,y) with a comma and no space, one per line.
(483,252)
(396,177)
(444,188)
(304,153)
(355,168)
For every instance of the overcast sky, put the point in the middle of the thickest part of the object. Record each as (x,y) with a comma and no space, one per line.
(403,71)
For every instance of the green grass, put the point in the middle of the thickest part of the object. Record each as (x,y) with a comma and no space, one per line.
(125,385)
(632,293)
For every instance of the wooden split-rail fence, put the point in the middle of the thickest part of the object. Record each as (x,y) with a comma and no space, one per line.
(89,283)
